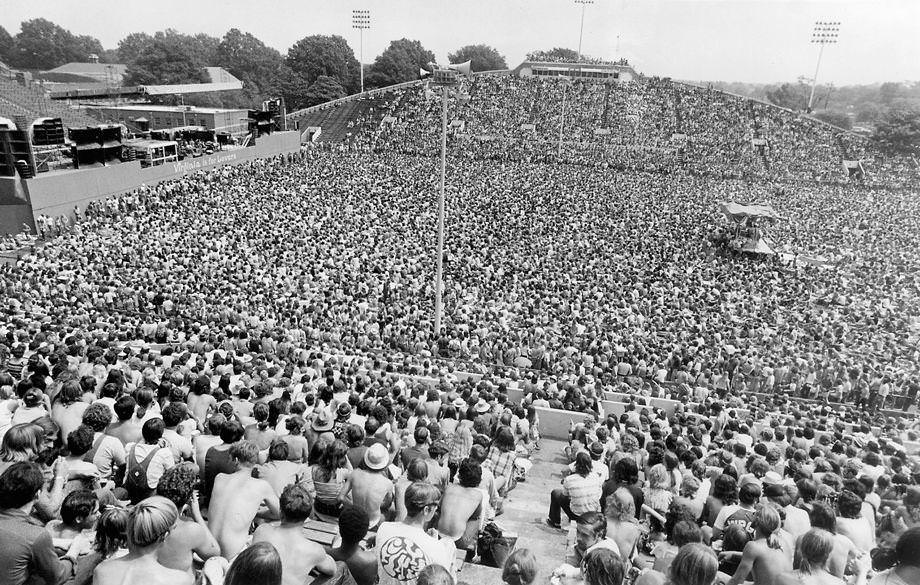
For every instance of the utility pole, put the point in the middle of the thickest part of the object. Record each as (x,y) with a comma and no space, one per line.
(361,20)
(824,33)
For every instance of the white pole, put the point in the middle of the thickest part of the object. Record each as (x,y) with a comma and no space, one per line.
(581,31)
(438,301)
(361,64)
(814,80)
(565,93)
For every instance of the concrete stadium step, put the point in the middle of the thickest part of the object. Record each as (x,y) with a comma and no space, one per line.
(527,505)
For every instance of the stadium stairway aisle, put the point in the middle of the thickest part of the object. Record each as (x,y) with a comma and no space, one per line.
(526,508)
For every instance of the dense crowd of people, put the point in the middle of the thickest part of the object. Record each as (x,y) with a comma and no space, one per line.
(195,369)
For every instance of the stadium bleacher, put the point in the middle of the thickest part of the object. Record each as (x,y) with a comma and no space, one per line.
(32,103)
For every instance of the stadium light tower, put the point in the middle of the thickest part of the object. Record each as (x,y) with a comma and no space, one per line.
(581,32)
(361,20)
(446,79)
(825,33)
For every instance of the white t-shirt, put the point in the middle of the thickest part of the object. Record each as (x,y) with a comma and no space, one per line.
(403,551)
(162,461)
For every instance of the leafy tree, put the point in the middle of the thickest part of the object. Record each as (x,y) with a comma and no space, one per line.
(291,86)
(834,117)
(41,44)
(554,54)
(483,57)
(169,58)
(889,91)
(250,61)
(324,55)
(788,95)
(898,131)
(323,90)
(133,46)
(7,45)
(400,62)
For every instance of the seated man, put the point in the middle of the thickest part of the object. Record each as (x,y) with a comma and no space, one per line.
(591,534)
(462,506)
(78,516)
(370,487)
(237,499)
(405,548)
(190,534)
(353,525)
(299,555)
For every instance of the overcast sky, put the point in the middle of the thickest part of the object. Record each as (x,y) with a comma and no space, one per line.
(728,40)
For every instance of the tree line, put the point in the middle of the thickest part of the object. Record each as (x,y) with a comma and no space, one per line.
(316,69)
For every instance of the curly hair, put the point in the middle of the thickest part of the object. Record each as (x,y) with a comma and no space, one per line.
(178,483)
(97,417)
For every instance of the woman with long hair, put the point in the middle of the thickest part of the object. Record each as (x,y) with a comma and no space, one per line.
(695,564)
(259,563)
(764,556)
(111,542)
(68,408)
(602,566)
(520,568)
(21,442)
(261,432)
(622,525)
(147,406)
(328,478)
(298,448)
(502,456)
(724,493)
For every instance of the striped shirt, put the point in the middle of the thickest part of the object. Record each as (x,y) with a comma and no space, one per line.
(584,493)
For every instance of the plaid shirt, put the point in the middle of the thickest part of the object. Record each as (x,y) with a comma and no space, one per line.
(502,462)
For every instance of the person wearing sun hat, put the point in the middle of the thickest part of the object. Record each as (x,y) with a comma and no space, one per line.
(370,485)
(320,428)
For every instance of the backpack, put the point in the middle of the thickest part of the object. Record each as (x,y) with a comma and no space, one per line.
(136,477)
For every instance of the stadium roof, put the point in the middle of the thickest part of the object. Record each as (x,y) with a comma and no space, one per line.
(221,80)
(100,71)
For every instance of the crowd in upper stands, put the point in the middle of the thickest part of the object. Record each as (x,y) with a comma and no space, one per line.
(252,347)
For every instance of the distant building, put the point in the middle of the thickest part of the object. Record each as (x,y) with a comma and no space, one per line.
(600,72)
(234,121)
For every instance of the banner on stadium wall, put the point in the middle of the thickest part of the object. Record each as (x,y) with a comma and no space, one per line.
(602,131)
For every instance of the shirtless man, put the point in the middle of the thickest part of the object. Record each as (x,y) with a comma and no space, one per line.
(299,555)
(189,535)
(371,489)
(822,516)
(764,556)
(237,499)
(148,526)
(461,507)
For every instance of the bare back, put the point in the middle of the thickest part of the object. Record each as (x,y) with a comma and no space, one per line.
(368,492)
(768,563)
(235,503)
(130,570)
(298,555)
(459,506)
